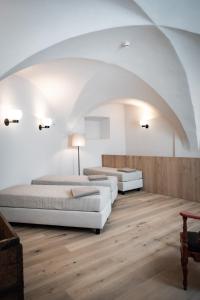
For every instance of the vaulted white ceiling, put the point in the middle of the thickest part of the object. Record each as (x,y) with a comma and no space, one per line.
(71,51)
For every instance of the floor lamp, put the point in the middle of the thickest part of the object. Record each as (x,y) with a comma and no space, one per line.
(78,141)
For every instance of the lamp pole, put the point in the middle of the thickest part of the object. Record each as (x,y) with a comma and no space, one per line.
(78,140)
(79,172)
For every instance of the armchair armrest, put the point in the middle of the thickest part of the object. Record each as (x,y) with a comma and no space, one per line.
(187,214)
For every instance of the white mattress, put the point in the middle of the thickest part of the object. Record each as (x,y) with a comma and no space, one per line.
(122,176)
(78,180)
(53,197)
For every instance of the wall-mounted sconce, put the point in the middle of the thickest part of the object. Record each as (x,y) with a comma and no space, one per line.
(13,116)
(45,123)
(125,44)
(144,124)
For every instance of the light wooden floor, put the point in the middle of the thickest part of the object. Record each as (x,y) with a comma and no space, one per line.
(136,257)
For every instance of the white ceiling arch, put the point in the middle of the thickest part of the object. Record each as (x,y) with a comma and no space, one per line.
(150,56)
(85,84)
(179,14)
(28,27)
(46,31)
(112,84)
(34,25)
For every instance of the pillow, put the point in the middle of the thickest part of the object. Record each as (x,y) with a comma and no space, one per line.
(127,170)
(84,191)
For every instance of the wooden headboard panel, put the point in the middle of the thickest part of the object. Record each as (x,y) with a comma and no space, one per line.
(174,176)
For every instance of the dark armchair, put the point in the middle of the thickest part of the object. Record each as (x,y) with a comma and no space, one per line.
(190,245)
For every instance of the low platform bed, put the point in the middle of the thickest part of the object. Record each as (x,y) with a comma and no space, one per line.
(92,220)
(110,181)
(127,179)
(54,205)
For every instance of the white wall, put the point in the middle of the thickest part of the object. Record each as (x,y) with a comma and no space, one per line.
(158,140)
(65,161)
(26,152)
(115,144)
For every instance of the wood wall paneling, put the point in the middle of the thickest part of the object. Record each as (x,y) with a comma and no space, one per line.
(173,176)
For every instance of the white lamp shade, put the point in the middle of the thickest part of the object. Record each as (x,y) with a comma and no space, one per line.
(77,140)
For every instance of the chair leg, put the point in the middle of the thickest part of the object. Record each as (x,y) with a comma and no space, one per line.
(97,231)
(184,263)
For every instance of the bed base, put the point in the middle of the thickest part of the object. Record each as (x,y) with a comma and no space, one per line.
(82,219)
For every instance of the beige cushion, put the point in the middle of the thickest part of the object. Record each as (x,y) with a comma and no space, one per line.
(61,180)
(126,170)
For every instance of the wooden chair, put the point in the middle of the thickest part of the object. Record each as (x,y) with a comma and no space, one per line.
(190,245)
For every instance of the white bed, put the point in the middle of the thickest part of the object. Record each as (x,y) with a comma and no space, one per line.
(54,205)
(110,182)
(126,180)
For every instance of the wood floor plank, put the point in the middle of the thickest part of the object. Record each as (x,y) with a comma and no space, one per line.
(135,257)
